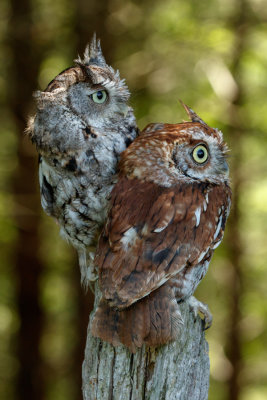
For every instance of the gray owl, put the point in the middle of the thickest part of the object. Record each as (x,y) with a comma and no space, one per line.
(83,123)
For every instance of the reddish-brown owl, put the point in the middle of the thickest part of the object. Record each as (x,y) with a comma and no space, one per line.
(168,213)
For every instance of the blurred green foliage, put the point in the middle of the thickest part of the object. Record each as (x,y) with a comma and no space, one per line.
(213,56)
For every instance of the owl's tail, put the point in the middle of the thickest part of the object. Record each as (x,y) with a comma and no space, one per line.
(153,320)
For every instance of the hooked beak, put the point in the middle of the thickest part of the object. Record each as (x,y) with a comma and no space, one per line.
(123,110)
(225,168)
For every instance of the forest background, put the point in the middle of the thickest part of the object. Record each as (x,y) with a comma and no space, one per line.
(212,54)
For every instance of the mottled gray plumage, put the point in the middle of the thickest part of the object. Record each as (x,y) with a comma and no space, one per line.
(82,124)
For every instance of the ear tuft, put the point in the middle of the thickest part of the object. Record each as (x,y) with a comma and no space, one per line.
(192,115)
(92,55)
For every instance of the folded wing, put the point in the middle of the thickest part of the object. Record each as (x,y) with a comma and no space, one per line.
(153,232)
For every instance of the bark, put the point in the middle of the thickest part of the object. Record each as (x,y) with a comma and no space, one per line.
(84,305)
(177,371)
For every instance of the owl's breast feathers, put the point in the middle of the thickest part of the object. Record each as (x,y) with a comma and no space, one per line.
(152,234)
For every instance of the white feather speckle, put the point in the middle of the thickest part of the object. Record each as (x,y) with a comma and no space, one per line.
(218,228)
(128,238)
(197,215)
(202,255)
(145,230)
(157,230)
(216,245)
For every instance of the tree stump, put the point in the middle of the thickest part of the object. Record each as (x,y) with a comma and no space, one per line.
(176,371)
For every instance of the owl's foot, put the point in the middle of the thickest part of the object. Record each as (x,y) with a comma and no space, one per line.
(196,306)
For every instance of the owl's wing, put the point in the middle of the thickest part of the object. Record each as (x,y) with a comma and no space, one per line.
(153,232)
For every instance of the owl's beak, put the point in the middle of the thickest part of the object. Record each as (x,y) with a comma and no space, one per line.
(123,110)
(225,168)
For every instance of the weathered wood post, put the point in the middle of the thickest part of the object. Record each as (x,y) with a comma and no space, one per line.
(177,371)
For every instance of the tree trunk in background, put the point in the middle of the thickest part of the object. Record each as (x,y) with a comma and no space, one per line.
(23,80)
(237,131)
(179,370)
(91,18)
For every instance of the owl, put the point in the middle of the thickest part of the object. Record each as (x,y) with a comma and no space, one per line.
(167,216)
(83,123)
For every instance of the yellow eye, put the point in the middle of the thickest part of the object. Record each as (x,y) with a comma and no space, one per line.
(99,97)
(200,154)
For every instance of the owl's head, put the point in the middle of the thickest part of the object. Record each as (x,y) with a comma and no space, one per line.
(84,105)
(200,152)
(91,89)
(188,151)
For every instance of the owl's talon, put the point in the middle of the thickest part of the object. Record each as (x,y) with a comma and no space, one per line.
(196,306)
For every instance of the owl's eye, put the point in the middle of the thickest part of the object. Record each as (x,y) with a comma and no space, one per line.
(99,97)
(200,154)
